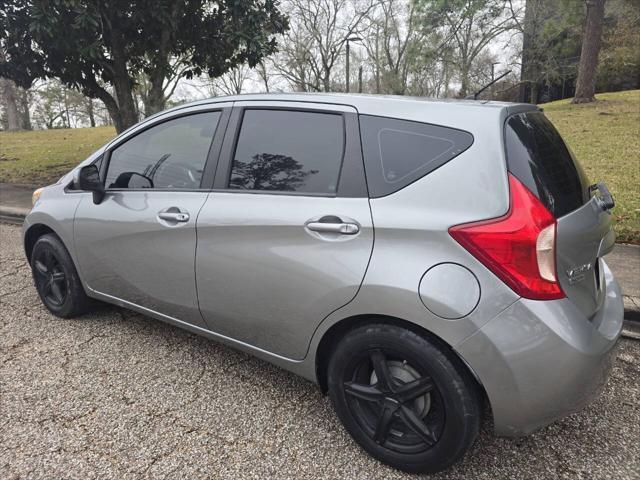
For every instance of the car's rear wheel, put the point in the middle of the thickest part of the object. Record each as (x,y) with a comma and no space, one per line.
(405,399)
(56,278)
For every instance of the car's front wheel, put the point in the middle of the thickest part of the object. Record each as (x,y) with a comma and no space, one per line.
(405,399)
(56,278)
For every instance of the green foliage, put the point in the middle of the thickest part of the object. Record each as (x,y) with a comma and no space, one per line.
(89,43)
(554,31)
(553,39)
(619,65)
(67,38)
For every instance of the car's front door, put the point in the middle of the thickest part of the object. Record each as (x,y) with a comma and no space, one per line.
(285,237)
(138,245)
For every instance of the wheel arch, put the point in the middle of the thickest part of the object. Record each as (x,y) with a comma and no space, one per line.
(33,233)
(342,327)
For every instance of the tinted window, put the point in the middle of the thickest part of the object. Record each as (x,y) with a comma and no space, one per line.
(539,158)
(398,152)
(288,151)
(169,155)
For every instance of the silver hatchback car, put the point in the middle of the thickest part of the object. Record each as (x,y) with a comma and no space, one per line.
(417,259)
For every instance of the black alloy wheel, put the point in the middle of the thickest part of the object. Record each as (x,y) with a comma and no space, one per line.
(406,398)
(56,278)
(50,278)
(399,407)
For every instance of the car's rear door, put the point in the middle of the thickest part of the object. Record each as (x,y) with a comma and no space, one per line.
(285,237)
(539,158)
(138,245)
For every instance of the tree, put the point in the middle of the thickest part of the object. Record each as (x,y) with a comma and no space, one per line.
(24,98)
(550,47)
(10,104)
(471,25)
(9,101)
(586,83)
(93,44)
(231,83)
(316,40)
(58,106)
(90,110)
(155,91)
(263,74)
(395,44)
(619,59)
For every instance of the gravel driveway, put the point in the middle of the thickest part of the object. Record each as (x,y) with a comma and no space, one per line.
(115,394)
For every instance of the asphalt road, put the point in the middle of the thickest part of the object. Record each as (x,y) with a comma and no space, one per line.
(118,395)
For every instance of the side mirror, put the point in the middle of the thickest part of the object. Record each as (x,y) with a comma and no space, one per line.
(132,180)
(89,179)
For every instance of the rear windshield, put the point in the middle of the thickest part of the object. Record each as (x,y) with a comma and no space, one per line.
(539,158)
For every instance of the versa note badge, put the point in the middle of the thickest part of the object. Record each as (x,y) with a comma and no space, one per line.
(576,275)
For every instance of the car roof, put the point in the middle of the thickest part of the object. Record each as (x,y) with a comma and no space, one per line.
(470,115)
(360,101)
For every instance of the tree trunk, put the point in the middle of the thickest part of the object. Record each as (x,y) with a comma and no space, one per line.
(8,91)
(535,90)
(464,79)
(125,107)
(93,90)
(155,100)
(264,75)
(126,110)
(25,114)
(66,108)
(9,100)
(527,45)
(592,39)
(326,80)
(90,114)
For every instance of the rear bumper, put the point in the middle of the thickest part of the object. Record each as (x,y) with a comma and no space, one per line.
(543,360)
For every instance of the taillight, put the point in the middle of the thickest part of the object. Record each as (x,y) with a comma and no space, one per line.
(518,247)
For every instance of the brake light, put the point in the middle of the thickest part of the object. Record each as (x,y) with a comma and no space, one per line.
(518,247)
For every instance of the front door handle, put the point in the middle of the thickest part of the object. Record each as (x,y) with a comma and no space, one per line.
(174,216)
(342,228)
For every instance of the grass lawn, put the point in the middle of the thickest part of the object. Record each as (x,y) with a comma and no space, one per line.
(605,137)
(41,157)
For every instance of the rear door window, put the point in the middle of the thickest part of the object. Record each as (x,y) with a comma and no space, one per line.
(399,152)
(288,151)
(539,158)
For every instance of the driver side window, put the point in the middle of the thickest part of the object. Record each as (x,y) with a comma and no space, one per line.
(170,155)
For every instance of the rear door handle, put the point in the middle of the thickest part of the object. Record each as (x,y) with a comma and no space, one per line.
(343,228)
(174,216)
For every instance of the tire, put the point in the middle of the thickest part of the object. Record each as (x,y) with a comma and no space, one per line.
(56,278)
(424,414)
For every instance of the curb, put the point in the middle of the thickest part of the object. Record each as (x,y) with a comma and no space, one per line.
(631,308)
(16,216)
(13,215)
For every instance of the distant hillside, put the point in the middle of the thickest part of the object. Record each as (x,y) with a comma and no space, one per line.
(40,157)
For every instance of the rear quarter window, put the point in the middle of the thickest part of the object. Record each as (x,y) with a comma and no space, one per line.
(399,152)
(538,157)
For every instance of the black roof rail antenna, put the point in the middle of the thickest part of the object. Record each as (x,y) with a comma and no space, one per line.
(475,95)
